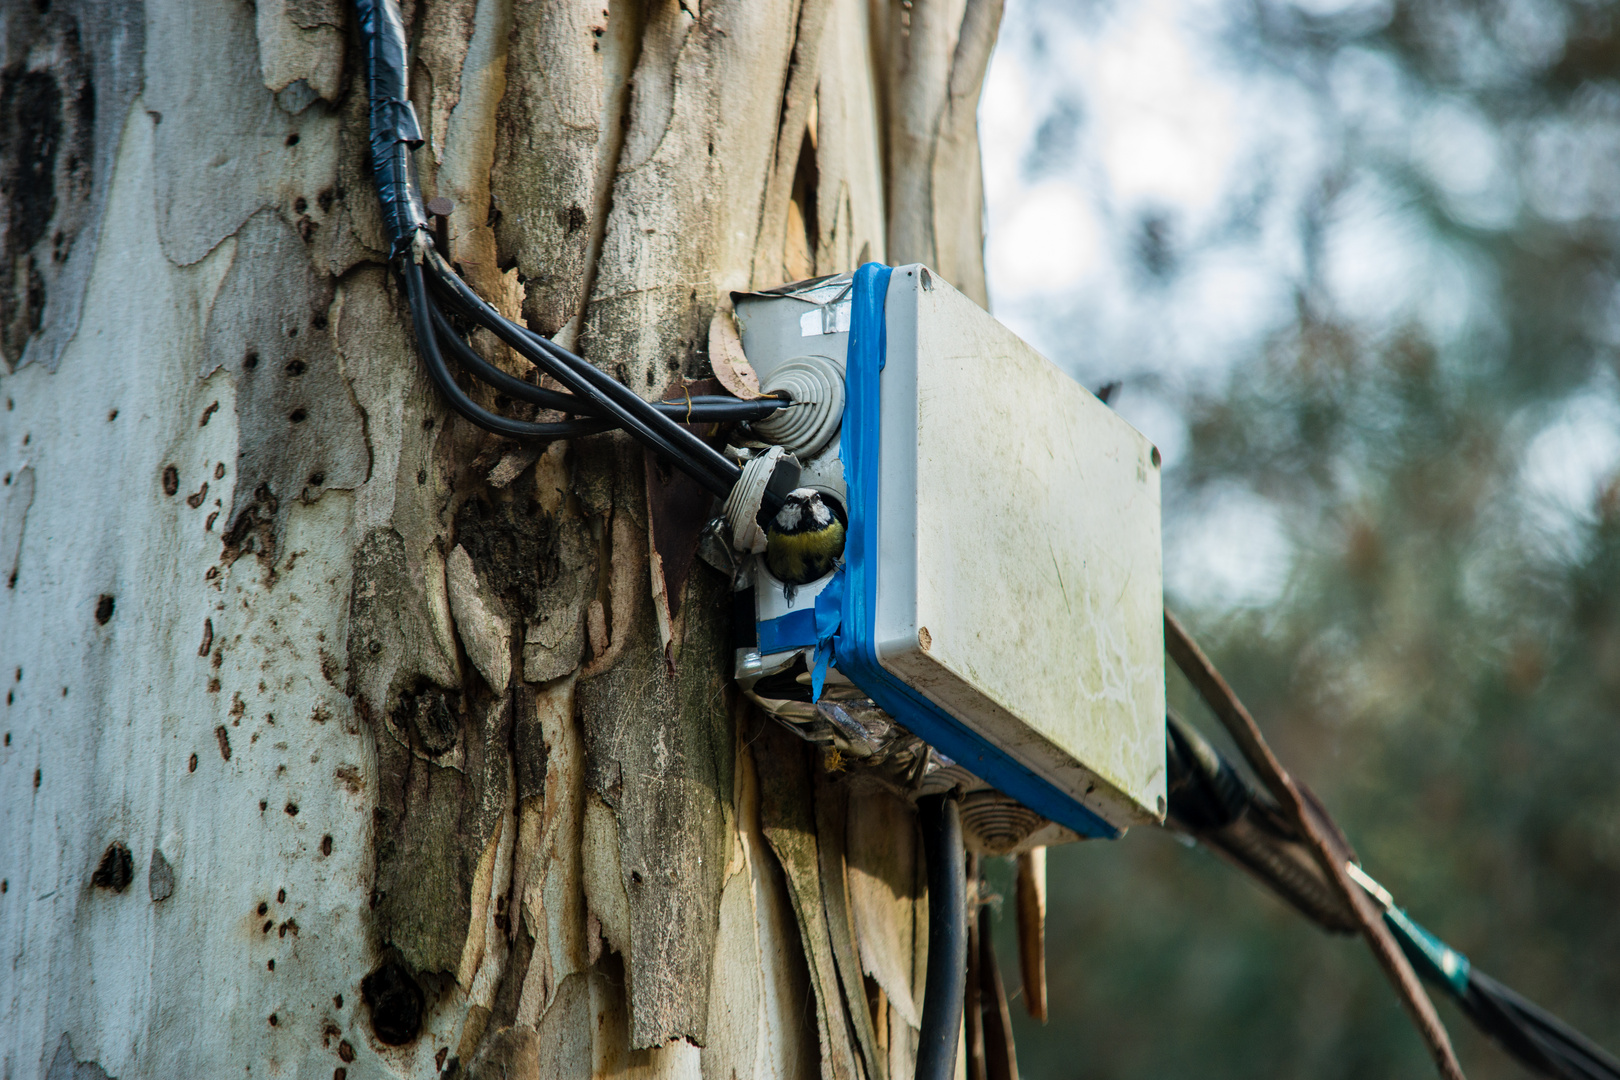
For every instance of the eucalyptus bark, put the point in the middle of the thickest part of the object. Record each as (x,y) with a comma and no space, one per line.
(341,738)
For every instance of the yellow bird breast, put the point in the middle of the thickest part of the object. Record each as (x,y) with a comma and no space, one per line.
(798,558)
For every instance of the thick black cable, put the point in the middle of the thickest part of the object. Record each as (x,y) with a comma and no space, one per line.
(697,458)
(395,134)
(473,307)
(1210,800)
(701,461)
(719,409)
(946,981)
(510,385)
(428,345)
(1533,1035)
(394,128)
(698,409)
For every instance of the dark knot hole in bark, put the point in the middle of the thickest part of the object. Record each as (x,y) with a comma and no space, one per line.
(395,1002)
(115,870)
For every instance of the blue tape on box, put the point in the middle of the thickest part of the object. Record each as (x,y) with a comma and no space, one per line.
(795,630)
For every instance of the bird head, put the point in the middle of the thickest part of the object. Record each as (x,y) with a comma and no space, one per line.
(803,510)
(805,540)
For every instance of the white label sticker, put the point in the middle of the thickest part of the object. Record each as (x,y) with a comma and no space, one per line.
(827,319)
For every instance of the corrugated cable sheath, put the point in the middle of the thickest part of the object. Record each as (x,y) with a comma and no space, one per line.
(946,980)
(1210,800)
(394,128)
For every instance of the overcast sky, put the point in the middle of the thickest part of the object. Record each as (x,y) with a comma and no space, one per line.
(1148,181)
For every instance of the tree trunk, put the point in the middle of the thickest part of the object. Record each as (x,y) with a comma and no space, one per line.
(343,739)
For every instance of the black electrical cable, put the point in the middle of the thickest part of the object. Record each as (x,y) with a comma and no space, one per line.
(1536,1037)
(694,409)
(428,344)
(695,457)
(600,402)
(1212,802)
(945,984)
(698,409)
(510,385)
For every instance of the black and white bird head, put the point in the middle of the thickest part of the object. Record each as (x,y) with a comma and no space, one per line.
(805,540)
(803,510)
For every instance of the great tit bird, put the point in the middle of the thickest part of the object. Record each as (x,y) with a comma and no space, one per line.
(805,539)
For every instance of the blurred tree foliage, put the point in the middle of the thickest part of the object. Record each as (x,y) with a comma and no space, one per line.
(1443,666)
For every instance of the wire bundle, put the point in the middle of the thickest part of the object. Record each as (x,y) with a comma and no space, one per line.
(1536,1037)
(1212,802)
(596,401)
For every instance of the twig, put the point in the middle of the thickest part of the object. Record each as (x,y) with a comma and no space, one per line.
(1032,930)
(1326,841)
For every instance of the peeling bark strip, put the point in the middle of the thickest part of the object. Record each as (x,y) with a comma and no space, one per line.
(434,825)
(804,69)
(936,55)
(1031,911)
(658,749)
(886,898)
(788,819)
(832,823)
(759,1020)
(558,137)
(301,50)
(300,430)
(703,124)
(547,887)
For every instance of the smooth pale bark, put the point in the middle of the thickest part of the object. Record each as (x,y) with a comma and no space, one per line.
(307,679)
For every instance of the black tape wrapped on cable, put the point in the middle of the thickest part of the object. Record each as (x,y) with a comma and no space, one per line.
(1210,800)
(395,131)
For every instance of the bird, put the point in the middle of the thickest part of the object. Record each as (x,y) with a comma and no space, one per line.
(805,540)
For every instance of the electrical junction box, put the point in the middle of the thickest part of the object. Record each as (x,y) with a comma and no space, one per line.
(1000,594)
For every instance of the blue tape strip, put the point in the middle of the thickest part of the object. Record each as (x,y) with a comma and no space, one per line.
(853,646)
(829,617)
(806,628)
(795,630)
